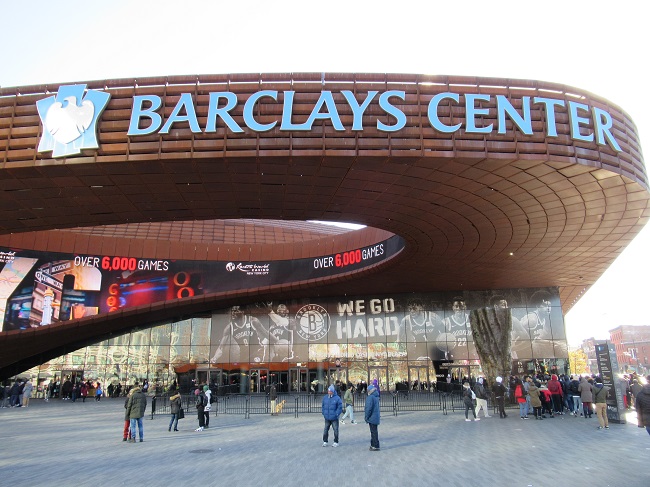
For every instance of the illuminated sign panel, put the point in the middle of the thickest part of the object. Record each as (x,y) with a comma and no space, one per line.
(38,289)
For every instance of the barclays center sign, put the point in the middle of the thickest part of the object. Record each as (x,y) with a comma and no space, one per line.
(70,118)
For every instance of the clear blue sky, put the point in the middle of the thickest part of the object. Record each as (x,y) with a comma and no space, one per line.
(598,46)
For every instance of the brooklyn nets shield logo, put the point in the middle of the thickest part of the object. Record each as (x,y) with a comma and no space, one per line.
(313,322)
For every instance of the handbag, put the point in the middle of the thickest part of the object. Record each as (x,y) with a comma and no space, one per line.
(181,413)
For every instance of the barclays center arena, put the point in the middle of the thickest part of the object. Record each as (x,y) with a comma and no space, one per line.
(170,229)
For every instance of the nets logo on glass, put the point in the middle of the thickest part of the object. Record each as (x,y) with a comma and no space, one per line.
(70,120)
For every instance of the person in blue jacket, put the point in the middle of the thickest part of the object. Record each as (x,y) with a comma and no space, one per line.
(332,407)
(372,416)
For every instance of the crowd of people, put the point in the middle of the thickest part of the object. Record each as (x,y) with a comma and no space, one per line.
(545,396)
(70,389)
(16,395)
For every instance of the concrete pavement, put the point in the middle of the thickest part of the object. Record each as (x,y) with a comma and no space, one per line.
(62,443)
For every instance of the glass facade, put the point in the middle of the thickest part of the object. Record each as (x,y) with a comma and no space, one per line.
(411,340)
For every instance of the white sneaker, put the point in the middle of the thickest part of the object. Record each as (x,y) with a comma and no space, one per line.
(467,419)
(342,422)
(199,429)
(477,419)
(324,443)
(334,445)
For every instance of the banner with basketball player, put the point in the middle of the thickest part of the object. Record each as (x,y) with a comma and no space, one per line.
(410,327)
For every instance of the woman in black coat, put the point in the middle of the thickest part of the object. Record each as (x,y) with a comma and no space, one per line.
(643,406)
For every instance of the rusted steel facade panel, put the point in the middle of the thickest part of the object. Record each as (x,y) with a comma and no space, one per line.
(463,201)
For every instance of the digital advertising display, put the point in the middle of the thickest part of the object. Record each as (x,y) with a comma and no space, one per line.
(38,288)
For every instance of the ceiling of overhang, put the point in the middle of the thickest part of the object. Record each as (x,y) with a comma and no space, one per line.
(461,221)
(476,212)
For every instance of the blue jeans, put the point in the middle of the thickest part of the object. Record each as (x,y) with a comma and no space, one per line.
(174,420)
(335,425)
(139,423)
(568,402)
(374,435)
(577,404)
(523,409)
(349,412)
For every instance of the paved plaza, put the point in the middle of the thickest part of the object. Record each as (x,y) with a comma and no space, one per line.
(62,443)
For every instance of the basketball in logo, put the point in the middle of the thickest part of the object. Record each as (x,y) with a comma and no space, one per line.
(313,322)
(230,267)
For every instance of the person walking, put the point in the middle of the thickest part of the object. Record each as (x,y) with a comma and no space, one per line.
(481,397)
(372,416)
(535,401)
(599,393)
(200,408)
(499,395)
(586,397)
(573,390)
(83,391)
(136,406)
(175,407)
(27,392)
(98,392)
(14,393)
(348,399)
(207,407)
(642,406)
(127,420)
(520,396)
(555,388)
(468,400)
(273,397)
(331,409)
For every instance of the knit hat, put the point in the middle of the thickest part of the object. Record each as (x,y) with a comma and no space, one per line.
(499,380)
(331,389)
(480,380)
(205,388)
(371,389)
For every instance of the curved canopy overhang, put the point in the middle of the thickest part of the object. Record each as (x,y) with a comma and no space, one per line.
(513,206)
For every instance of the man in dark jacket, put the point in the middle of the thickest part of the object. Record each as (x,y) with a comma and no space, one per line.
(499,395)
(201,403)
(372,416)
(135,408)
(599,393)
(481,397)
(642,405)
(331,409)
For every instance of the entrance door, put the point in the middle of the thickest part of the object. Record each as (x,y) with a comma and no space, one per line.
(282,381)
(202,377)
(216,378)
(419,377)
(379,373)
(258,380)
(298,380)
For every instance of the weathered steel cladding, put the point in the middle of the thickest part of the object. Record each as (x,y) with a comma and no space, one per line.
(463,201)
